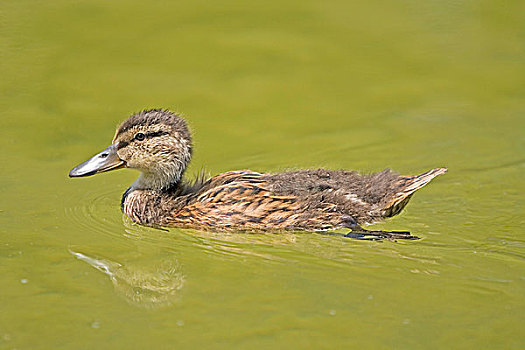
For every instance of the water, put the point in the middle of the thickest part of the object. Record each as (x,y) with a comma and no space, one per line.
(267,86)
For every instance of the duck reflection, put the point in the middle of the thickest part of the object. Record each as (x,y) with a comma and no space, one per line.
(147,286)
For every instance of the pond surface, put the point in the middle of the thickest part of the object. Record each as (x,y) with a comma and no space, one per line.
(267,86)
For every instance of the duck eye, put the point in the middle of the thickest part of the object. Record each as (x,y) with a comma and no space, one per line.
(140,136)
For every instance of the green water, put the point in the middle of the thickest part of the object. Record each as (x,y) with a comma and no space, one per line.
(268,85)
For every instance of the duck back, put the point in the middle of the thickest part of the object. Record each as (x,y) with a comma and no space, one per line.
(311,200)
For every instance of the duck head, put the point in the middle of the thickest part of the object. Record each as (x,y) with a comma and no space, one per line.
(156,142)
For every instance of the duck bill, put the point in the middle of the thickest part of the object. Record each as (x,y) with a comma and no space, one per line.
(104,161)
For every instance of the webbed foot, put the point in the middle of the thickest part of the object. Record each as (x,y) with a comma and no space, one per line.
(357,232)
(368,235)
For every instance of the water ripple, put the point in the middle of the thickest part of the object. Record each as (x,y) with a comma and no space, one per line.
(97,212)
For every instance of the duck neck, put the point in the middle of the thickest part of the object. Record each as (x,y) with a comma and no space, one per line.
(155,181)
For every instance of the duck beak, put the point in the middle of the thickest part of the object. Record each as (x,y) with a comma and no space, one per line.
(106,160)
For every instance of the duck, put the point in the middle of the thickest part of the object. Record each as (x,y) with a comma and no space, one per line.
(158,143)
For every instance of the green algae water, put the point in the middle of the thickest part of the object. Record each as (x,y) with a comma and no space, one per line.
(268,86)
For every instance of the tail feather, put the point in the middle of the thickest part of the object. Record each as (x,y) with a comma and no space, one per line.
(407,187)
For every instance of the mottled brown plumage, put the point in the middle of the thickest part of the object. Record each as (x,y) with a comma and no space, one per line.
(158,143)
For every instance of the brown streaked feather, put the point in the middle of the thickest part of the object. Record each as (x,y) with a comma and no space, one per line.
(309,200)
(239,200)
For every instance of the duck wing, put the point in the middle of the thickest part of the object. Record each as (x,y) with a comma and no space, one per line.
(239,200)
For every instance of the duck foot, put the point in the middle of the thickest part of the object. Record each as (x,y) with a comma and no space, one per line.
(357,232)
(367,235)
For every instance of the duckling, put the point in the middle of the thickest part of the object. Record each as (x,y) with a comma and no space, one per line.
(158,143)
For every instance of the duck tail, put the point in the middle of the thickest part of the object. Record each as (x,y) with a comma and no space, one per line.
(407,186)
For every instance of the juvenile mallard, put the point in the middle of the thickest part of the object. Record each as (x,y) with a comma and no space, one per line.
(158,143)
